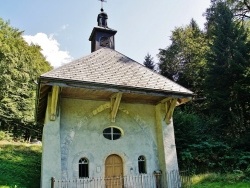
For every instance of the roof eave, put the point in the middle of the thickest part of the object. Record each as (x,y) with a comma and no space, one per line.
(116,88)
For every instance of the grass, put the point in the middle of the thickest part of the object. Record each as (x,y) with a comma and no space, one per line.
(222,185)
(20,165)
(213,180)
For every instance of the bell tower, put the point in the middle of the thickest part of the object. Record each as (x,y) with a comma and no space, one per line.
(102,35)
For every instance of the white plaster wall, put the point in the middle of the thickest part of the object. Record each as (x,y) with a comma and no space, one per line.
(166,141)
(167,148)
(170,147)
(51,158)
(82,125)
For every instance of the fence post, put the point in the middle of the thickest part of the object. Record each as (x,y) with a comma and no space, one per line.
(53,182)
(158,178)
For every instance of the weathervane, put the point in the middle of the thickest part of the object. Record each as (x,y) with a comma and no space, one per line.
(102,2)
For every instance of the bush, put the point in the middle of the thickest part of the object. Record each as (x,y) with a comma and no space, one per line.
(2,135)
(5,136)
(201,149)
(247,172)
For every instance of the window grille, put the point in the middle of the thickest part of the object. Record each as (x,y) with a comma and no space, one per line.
(83,168)
(142,165)
(112,133)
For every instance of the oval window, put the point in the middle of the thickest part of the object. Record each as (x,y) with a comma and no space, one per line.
(112,133)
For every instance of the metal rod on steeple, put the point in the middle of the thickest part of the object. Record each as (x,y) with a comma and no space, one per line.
(102,2)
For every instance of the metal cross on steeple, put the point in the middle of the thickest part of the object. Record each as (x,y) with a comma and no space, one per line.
(102,2)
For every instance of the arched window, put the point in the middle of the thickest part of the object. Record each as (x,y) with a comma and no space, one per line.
(142,165)
(83,168)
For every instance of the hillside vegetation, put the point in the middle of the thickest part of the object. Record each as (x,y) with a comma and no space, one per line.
(20,165)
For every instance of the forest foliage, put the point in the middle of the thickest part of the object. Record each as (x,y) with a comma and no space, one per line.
(213,131)
(20,66)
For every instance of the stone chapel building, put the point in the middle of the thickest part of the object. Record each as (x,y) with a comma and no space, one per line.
(106,115)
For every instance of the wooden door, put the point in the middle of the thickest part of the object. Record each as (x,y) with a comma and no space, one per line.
(114,172)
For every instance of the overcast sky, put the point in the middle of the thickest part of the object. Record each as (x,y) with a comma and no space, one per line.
(62,27)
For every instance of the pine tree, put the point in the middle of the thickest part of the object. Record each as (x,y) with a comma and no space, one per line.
(149,62)
(228,77)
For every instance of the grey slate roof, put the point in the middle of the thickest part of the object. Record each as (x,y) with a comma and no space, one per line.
(109,67)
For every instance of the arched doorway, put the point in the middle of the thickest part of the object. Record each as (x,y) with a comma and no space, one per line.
(114,171)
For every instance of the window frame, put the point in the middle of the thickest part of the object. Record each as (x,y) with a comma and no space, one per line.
(83,167)
(142,165)
(114,134)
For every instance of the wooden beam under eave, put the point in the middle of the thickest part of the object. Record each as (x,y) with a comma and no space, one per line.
(183,100)
(115,102)
(54,102)
(165,100)
(170,106)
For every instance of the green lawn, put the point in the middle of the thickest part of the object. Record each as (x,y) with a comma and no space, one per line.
(212,180)
(20,165)
(222,185)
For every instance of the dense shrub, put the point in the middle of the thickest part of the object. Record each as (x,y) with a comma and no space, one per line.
(201,149)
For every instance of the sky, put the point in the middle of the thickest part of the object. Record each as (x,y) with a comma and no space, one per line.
(62,27)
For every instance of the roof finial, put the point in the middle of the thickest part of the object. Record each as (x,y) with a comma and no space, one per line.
(102,17)
(102,3)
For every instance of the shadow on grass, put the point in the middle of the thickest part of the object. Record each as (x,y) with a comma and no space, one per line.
(20,166)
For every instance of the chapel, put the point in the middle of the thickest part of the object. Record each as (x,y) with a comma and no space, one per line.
(107,119)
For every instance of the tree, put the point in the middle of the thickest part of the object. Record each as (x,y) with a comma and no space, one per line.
(215,64)
(149,62)
(20,65)
(240,8)
(183,61)
(228,76)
